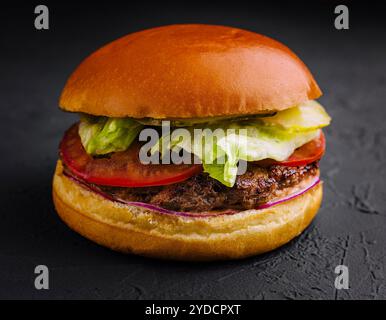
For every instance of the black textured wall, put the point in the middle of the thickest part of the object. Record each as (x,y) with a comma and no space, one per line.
(350,67)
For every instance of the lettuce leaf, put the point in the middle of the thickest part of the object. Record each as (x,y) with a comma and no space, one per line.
(307,116)
(240,142)
(256,144)
(253,139)
(102,135)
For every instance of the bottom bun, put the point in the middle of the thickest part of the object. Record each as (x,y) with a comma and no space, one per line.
(141,231)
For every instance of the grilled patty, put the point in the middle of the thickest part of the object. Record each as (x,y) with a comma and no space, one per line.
(201,193)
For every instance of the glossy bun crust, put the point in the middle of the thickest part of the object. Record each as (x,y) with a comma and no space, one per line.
(136,230)
(189,71)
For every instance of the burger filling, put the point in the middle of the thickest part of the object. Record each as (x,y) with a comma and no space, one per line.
(280,152)
(201,193)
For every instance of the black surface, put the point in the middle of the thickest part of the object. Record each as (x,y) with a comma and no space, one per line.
(349,66)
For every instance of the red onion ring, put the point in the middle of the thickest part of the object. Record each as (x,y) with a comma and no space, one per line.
(312,184)
(155,208)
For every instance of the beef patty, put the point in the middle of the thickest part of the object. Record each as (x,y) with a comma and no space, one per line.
(200,193)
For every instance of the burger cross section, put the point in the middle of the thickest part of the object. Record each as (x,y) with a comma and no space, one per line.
(230,97)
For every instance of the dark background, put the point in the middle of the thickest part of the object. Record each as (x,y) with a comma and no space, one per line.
(350,67)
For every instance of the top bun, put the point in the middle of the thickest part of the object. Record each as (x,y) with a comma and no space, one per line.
(189,71)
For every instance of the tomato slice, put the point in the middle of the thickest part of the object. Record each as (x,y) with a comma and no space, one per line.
(306,154)
(120,169)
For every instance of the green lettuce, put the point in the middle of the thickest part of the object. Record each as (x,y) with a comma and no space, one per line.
(102,135)
(307,116)
(252,139)
(273,137)
(256,143)
(240,142)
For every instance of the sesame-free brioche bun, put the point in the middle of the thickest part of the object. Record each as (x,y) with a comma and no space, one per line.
(189,71)
(141,231)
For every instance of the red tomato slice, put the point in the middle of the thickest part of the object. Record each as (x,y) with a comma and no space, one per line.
(121,169)
(306,154)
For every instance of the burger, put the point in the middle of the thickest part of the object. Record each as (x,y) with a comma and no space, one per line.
(161,94)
